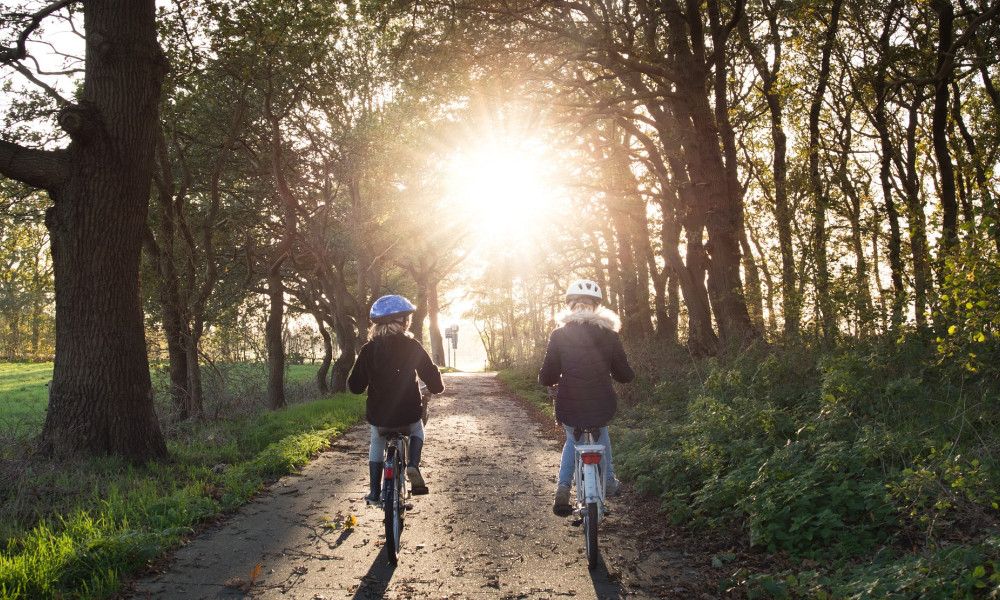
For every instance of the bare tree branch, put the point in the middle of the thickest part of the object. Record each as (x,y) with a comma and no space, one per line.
(51,91)
(20,50)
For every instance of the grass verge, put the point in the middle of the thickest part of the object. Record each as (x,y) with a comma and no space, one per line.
(523,381)
(72,530)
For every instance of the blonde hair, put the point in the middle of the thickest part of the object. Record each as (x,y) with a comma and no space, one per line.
(391,328)
(580,306)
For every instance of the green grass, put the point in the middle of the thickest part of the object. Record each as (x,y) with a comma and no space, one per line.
(23,393)
(523,381)
(74,529)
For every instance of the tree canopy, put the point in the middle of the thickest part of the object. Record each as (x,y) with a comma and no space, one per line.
(734,173)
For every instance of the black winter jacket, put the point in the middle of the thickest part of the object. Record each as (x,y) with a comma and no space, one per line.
(582,357)
(387,367)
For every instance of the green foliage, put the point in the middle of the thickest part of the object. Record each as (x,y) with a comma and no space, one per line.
(91,521)
(27,320)
(818,499)
(523,381)
(970,302)
(832,457)
(956,572)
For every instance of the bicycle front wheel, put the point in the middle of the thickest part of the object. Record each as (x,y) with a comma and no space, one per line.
(590,530)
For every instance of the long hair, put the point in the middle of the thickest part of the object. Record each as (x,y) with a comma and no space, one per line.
(395,327)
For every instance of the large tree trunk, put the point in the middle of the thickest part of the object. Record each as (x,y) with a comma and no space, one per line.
(100,399)
(721,205)
(723,225)
(690,270)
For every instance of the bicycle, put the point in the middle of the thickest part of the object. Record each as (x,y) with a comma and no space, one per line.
(590,479)
(394,491)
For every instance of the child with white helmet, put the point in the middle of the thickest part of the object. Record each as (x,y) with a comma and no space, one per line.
(388,367)
(583,355)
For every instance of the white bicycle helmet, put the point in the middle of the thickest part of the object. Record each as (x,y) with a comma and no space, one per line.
(584,289)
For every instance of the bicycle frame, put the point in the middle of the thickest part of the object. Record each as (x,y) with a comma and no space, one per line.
(590,475)
(396,445)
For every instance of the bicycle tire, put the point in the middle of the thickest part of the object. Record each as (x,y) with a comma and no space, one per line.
(394,510)
(590,529)
(400,510)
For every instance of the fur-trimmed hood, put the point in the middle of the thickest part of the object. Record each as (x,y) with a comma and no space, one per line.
(602,317)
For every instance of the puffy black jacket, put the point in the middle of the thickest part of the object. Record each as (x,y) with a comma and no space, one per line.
(582,357)
(387,367)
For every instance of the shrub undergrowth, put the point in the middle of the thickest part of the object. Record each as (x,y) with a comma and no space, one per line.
(877,461)
(871,465)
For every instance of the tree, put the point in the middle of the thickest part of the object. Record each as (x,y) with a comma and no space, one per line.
(25,277)
(100,399)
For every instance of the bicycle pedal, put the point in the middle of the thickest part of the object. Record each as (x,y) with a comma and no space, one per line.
(419,490)
(576,523)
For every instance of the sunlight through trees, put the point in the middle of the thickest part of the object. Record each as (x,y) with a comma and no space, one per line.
(733,173)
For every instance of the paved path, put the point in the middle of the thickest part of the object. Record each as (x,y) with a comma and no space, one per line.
(486,530)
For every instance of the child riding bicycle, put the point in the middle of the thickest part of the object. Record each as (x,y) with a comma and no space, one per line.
(388,366)
(583,355)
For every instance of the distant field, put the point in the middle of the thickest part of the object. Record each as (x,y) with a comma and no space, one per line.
(24,394)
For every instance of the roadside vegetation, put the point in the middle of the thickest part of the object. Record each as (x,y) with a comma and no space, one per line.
(868,470)
(74,528)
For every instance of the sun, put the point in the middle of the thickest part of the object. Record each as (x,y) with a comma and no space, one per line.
(500,187)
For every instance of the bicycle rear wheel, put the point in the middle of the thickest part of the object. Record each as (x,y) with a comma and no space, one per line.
(590,530)
(394,507)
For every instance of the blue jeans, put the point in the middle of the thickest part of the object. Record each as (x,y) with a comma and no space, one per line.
(569,456)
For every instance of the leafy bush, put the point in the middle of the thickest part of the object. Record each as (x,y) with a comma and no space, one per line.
(867,450)
(970,302)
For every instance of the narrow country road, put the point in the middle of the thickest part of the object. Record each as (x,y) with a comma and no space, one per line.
(486,530)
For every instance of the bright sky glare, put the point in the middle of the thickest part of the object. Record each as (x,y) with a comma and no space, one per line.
(502,187)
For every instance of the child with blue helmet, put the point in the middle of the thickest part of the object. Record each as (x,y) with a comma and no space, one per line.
(388,367)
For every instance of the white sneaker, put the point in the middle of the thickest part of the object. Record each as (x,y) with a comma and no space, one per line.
(612,487)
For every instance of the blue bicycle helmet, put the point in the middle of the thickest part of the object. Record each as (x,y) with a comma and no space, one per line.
(391,308)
